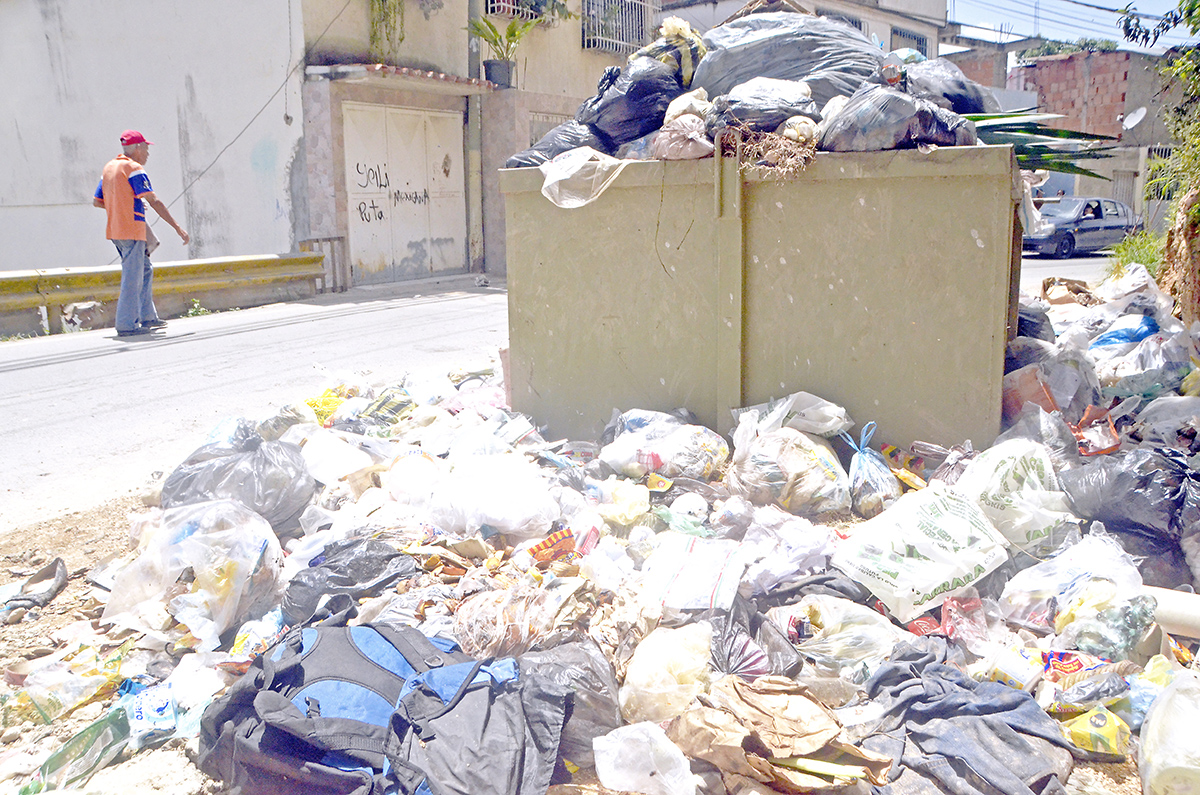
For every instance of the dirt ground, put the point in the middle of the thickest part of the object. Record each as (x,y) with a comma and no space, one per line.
(87,539)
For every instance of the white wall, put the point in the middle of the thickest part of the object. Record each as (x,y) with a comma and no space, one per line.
(190,76)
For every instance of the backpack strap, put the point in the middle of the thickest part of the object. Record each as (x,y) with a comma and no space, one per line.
(419,712)
(421,654)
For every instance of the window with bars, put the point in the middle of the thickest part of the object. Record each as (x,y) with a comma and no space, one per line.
(518,9)
(619,26)
(853,22)
(902,38)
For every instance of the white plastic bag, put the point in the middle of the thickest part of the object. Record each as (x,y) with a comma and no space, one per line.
(578,177)
(1016,487)
(930,544)
(786,548)
(1169,760)
(505,492)
(668,670)
(799,410)
(641,758)
(693,103)
(683,138)
(873,487)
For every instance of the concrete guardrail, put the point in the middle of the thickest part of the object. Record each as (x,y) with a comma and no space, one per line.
(33,301)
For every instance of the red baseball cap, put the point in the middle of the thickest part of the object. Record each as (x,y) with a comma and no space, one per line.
(131,137)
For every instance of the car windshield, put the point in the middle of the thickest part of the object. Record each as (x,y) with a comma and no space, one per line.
(1063,208)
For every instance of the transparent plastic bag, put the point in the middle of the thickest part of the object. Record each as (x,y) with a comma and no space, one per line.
(666,447)
(510,621)
(873,487)
(798,472)
(840,636)
(640,758)
(668,670)
(689,573)
(1031,598)
(235,560)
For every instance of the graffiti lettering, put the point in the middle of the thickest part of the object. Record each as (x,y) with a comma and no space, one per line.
(410,197)
(370,212)
(373,176)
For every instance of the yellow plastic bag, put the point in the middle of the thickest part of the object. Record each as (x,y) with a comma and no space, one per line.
(1098,730)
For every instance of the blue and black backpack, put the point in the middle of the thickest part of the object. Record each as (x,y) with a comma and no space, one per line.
(382,710)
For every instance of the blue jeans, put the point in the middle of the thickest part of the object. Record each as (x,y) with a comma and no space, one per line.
(135,305)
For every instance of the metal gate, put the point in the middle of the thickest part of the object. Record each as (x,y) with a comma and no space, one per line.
(406,202)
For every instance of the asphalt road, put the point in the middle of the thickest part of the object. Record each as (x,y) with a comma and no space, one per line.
(88,417)
(1034,269)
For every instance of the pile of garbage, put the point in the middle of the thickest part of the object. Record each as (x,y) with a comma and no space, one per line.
(807,82)
(405,587)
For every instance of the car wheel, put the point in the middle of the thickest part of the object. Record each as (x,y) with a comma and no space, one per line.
(1065,247)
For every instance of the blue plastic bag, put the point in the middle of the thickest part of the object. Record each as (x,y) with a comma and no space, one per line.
(873,487)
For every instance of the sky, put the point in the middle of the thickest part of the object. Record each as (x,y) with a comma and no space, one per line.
(1063,20)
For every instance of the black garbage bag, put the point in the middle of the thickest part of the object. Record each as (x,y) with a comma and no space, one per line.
(269,478)
(356,567)
(563,138)
(1161,562)
(745,643)
(831,56)
(1033,321)
(878,118)
(631,102)
(1138,492)
(762,104)
(944,83)
(593,708)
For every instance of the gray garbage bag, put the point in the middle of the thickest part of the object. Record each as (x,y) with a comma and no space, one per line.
(832,57)
(878,118)
(594,708)
(945,84)
(269,478)
(762,104)
(631,102)
(563,138)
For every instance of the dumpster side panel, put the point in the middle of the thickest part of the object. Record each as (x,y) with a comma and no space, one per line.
(612,305)
(878,280)
(881,282)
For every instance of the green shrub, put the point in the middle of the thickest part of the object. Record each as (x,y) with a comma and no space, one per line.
(1144,248)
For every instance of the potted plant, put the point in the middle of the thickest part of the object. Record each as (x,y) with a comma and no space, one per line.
(501,68)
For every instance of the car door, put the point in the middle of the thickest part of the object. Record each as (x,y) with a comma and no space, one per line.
(1089,229)
(1113,224)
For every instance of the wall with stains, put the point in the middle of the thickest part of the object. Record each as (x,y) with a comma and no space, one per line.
(216,86)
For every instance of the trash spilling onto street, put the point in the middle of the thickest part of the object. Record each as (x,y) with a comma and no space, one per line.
(405,586)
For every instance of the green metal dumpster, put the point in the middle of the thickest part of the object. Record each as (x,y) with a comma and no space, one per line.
(883,281)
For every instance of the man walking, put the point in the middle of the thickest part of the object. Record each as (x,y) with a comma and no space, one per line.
(123,193)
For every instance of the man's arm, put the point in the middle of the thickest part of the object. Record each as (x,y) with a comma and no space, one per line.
(164,214)
(98,196)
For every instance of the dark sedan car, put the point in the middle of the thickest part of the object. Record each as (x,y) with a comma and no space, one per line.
(1082,224)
